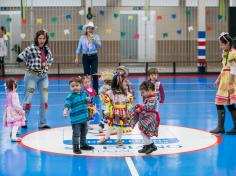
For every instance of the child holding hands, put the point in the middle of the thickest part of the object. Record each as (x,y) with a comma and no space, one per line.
(147,116)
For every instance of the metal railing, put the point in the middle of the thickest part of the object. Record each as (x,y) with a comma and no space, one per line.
(134,68)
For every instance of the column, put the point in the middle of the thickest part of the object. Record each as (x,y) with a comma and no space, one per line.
(201,59)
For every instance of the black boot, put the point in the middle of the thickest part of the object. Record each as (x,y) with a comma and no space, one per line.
(233,131)
(151,148)
(76,149)
(143,150)
(221,121)
(86,147)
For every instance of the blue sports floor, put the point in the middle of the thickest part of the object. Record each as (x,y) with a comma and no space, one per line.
(189,103)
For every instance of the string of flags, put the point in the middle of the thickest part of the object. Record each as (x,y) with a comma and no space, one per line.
(101,13)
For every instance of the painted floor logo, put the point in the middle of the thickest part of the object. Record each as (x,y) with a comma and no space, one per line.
(171,140)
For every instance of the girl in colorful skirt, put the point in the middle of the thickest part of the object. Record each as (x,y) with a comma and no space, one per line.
(225,84)
(118,102)
(106,77)
(87,83)
(147,116)
(14,115)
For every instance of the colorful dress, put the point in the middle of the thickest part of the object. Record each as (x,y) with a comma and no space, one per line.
(147,117)
(222,96)
(159,90)
(91,106)
(102,93)
(13,115)
(117,108)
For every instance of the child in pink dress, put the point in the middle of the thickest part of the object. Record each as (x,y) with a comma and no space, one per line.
(87,83)
(14,115)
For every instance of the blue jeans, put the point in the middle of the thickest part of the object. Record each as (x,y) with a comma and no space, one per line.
(32,82)
(80,131)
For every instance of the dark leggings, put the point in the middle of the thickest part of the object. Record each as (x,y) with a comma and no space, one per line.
(222,107)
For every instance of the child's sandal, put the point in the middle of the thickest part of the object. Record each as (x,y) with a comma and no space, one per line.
(119,142)
(103,140)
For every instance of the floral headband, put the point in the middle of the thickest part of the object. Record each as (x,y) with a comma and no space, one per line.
(223,34)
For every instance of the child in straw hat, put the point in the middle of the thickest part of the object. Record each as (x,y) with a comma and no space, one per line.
(124,72)
(106,77)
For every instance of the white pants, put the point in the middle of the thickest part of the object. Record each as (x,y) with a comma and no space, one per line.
(14,132)
(109,131)
(146,140)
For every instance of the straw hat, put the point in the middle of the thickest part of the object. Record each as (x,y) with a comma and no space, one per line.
(124,69)
(89,24)
(106,75)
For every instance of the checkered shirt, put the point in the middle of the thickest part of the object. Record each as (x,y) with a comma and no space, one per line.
(32,57)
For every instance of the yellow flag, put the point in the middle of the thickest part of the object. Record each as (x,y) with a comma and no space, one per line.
(8,34)
(130,17)
(108,30)
(39,21)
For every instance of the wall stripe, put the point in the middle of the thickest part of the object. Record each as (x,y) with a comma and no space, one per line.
(201,46)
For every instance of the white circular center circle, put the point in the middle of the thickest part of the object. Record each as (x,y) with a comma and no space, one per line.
(171,140)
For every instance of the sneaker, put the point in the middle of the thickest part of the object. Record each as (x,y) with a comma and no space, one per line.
(24,126)
(143,150)
(76,149)
(151,148)
(101,125)
(16,139)
(103,140)
(44,127)
(119,142)
(87,147)
(100,128)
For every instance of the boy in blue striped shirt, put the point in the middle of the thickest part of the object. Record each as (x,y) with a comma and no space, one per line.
(77,103)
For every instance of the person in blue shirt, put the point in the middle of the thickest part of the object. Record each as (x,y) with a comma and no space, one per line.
(88,45)
(77,103)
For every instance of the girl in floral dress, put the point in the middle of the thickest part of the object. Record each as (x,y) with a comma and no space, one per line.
(118,103)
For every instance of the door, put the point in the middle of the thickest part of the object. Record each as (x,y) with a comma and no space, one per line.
(128,38)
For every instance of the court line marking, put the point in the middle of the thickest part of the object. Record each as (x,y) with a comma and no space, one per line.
(169,91)
(131,166)
(171,103)
(164,83)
